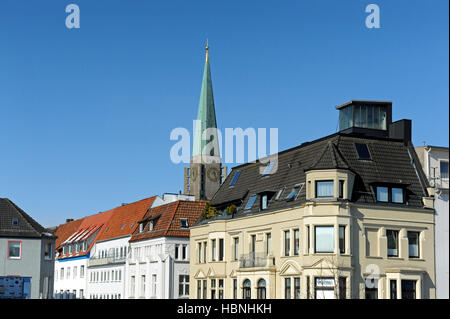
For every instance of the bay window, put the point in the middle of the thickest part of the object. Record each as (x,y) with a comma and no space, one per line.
(324,239)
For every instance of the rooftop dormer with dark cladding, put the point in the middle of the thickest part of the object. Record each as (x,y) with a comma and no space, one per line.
(370,161)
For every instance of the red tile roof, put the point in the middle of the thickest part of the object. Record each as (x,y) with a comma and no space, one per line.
(166,219)
(107,224)
(125,219)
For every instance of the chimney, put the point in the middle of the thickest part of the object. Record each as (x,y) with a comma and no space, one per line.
(68,220)
(401,130)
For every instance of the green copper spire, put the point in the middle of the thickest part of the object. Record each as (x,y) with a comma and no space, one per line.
(206,117)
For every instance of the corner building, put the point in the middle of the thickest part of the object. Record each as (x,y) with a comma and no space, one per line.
(346,216)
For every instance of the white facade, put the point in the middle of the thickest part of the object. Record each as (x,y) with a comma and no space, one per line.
(70,276)
(106,269)
(435,161)
(158,268)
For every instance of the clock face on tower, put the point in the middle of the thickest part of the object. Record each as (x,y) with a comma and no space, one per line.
(194,174)
(213,174)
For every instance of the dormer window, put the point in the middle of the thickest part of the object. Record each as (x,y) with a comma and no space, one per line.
(325,188)
(150,225)
(141,227)
(184,223)
(15,222)
(389,194)
(264,201)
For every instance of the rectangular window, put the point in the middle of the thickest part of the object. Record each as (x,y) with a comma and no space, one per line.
(48,252)
(371,289)
(342,239)
(443,169)
(81,271)
(204,251)
(393,288)
(183,285)
(155,283)
(14,249)
(177,255)
(268,243)
(392,241)
(236,248)
(213,289)
(341,189)
(220,288)
(413,244)
(132,284)
(408,289)
(397,195)
(287,242)
(308,240)
(199,289)
(143,286)
(221,252)
(184,252)
(253,247)
(324,239)
(342,288)
(213,250)
(296,242)
(199,253)
(235,288)
(204,288)
(382,194)
(264,202)
(324,288)
(75,272)
(287,288)
(324,188)
(297,288)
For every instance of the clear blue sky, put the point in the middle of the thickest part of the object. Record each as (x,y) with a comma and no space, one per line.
(86,113)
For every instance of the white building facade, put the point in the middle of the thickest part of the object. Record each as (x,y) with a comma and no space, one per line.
(158,269)
(435,162)
(106,269)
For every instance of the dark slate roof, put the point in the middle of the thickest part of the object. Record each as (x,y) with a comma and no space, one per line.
(27,227)
(392,161)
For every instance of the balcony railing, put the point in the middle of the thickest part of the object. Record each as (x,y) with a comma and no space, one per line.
(255,260)
(99,261)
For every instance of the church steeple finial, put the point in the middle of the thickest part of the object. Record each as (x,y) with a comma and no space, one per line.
(207,49)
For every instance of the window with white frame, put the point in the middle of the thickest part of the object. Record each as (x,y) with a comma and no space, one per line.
(324,188)
(48,251)
(154,283)
(14,249)
(392,242)
(324,239)
(81,271)
(183,286)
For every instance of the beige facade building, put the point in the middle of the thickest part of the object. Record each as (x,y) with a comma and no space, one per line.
(345,216)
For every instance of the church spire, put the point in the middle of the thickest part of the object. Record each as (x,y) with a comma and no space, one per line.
(206,116)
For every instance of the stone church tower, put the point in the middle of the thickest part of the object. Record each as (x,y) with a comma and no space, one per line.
(205,174)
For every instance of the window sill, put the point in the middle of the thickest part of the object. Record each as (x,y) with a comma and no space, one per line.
(416,259)
(395,258)
(374,257)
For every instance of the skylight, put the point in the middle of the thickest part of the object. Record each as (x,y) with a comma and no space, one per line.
(15,222)
(268,168)
(250,202)
(235,177)
(363,151)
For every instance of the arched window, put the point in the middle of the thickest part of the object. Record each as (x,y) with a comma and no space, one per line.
(247,290)
(261,289)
